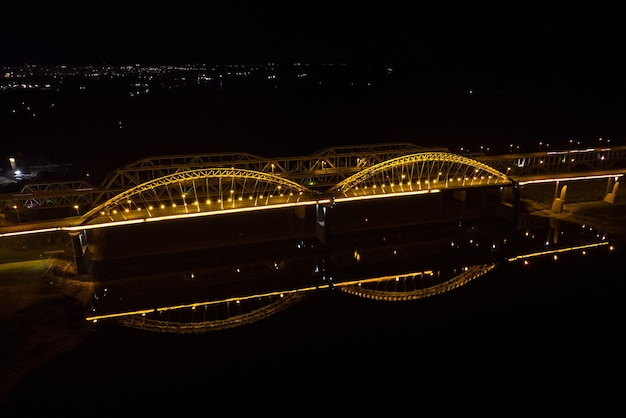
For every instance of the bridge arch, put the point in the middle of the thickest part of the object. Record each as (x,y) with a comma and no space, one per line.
(422,171)
(201,190)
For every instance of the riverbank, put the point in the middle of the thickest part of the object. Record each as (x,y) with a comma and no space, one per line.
(585,206)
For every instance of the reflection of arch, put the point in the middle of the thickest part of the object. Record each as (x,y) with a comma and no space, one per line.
(402,293)
(216,188)
(212,317)
(424,171)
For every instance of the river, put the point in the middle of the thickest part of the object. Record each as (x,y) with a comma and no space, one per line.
(524,332)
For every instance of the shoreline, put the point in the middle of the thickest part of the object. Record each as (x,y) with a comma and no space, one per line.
(609,218)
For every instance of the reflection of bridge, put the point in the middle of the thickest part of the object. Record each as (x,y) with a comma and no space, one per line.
(313,174)
(392,264)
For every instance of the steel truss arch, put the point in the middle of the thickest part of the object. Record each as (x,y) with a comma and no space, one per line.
(220,184)
(425,171)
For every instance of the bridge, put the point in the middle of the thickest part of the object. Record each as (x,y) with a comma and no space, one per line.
(168,185)
(170,188)
(184,189)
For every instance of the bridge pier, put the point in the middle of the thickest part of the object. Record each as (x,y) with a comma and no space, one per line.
(323,217)
(508,205)
(79,249)
(611,189)
(559,199)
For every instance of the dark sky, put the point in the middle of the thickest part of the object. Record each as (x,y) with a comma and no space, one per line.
(576,52)
(509,36)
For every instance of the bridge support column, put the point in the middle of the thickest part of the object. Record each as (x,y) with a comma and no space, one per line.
(508,205)
(323,222)
(557,203)
(79,248)
(611,190)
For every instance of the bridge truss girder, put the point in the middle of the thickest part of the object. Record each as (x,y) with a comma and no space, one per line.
(556,162)
(322,169)
(43,195)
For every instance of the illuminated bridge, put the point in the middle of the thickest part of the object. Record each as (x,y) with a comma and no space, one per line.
(207,191)
(314,174)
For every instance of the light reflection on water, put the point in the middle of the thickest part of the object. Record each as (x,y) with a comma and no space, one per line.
(213,288)
(521,321)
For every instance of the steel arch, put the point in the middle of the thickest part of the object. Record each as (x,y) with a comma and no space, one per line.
(180,178)
(425,171)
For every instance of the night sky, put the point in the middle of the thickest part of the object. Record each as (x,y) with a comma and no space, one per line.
(524,39)
(526,53)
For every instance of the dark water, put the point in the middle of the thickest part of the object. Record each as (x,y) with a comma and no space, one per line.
(544,335)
